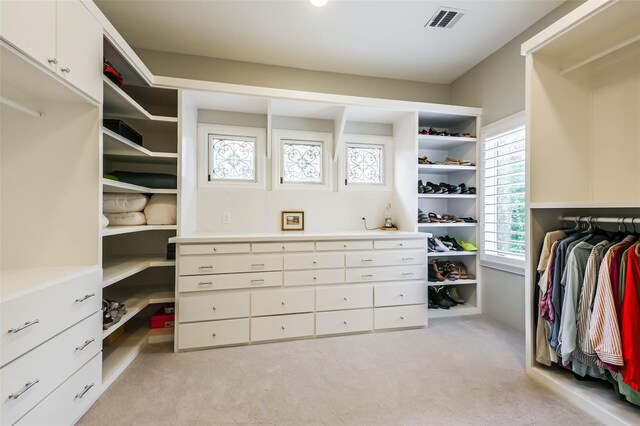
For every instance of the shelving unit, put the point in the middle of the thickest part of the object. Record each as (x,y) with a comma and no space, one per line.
(438,148)
(133,257)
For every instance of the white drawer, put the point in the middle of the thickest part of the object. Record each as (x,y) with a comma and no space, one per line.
(213,333)
(282,327)
(340,322)
(229,281)
(344,297)
(71,400)
(324,276)
(344,245)
(213,305)
(46,367)
(386,258)
(187,249)
(276,302)
(419,243)
(55,308)
(314,261)
(401,316)
(388,273)
(199,265)
(400,294)
(281,247)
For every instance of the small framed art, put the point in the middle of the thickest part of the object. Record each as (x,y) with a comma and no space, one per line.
(292,221)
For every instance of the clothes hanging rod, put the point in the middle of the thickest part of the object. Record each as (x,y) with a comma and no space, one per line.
(20,107)
(601,219)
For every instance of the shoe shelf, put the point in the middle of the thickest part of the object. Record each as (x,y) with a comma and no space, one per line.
(119,230)
(451,282)
(109,185)
(117,103)
(116,146)
(453,312)
(447,225)
(451,253)
(443,142)
(135,299)
(450,196)
(117,357)
(118,268)
(442,169)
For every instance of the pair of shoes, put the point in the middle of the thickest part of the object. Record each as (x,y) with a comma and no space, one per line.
(464,189)
(454,162)
(468,220)
(446,269)
(444,188)
(440,297)
(435,245)
(468,246)
(453,242)
(422,217)
(452,292)
(425,189)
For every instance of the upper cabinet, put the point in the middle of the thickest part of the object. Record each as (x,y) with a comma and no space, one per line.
(62,35)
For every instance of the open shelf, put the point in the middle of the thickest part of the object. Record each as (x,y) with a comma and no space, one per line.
(117,103)
(116,358)
(444,169)
(449,282)
(118,230)
(443,142)
(445,196)
(451,253)
(121,267)
(447,225)
(118,146)
(135,299)
(161,335)
(109,185)
(455,311)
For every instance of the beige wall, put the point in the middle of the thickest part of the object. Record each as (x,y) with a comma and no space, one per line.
(497,84)
(236,72)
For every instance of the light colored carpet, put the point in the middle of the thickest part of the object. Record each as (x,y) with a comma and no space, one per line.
(467,371)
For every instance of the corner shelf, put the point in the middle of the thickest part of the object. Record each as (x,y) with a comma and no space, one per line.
(443,142)
(116,358)
(448,196)
(115,145)
(109,185)
(450,282)
(118,268)
(451,253)
(117,103)
(441,169)
(118,230)
(455,311)
(447,225)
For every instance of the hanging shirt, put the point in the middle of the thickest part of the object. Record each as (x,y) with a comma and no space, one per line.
(544,354)
(549,239)
(545,306)
(616,261)
(630,326)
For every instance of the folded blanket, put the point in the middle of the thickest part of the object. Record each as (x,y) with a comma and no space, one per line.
(161,210)
(123,203)
(126,219)
(150,180)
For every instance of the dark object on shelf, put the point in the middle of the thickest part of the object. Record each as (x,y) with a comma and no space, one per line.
(112,74)
(150,180)
(113,337)
(123,129)
(171,251)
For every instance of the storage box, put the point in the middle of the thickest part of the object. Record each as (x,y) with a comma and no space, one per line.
(162,320)
(169,308)
(123,129)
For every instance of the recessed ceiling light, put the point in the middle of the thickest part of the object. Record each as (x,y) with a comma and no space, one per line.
(318,3)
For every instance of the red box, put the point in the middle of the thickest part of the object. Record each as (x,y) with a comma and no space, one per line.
(162,320)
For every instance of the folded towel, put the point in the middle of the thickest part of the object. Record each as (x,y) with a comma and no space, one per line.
(126,219)
(123,203)
(161,209)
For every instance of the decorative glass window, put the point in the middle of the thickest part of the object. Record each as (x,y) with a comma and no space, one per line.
(365,164)
(301,162)
(232,158)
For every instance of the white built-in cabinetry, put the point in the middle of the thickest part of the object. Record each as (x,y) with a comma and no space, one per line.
(437,149)
(275,288)
(583,149)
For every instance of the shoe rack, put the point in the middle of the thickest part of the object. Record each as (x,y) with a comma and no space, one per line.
(457,140)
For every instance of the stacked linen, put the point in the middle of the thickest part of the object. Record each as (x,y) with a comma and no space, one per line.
(124,209)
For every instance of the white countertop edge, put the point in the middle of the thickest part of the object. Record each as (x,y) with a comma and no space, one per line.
(15,283)
(211,237)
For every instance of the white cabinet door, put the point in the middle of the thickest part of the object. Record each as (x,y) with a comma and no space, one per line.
(31,27)
(79,47)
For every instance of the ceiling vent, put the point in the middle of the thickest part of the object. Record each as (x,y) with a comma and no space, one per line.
(445,17)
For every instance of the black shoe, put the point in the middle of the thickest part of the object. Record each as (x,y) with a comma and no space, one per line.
(456,246)
(439,299)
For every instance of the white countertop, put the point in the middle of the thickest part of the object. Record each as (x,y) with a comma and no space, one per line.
(216,237)
(17,282)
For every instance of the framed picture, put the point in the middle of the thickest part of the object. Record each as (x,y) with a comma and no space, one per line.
(292,221)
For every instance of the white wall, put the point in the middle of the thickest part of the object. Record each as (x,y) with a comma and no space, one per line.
(497,85)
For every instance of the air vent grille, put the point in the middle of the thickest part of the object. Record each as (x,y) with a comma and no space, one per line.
(445,17)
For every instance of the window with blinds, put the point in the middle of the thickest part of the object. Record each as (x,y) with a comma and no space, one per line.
(503,192)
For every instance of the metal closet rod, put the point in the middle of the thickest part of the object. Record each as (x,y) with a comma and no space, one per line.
(601,219)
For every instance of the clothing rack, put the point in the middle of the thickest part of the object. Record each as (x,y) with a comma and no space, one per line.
(601,219)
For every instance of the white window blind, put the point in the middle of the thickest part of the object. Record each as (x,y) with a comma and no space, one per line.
(503,192)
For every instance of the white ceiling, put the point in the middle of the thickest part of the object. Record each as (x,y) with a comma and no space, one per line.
(372,38)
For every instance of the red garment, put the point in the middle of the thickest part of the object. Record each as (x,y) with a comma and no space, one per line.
(614,272)
(630,324)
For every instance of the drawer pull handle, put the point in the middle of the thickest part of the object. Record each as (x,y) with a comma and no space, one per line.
(206,283)
(401,318)
(315,262)
(84,391)
(258,281)
(26,387)
(25,325)
(65,69)
(345,323)
(284,247)
(85,344)
(206,267)
(283,327)
(407,273)
(213,334)
(215,249)
(400,245)
(407,258)
(254,265)
(86,296)
(401,295)
(53,61)
(367,260)
(315,278)
(282,303)
(213,308)
(367,275)
(345,298)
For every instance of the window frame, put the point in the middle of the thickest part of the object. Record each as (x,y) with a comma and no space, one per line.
(204,156)
(279,137)
(497,128)
(386,142)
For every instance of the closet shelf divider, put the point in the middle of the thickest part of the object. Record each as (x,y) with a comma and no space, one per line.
(119,146)
(118,268)
(444,169)
(109,185)
(118,230)
(117,103)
